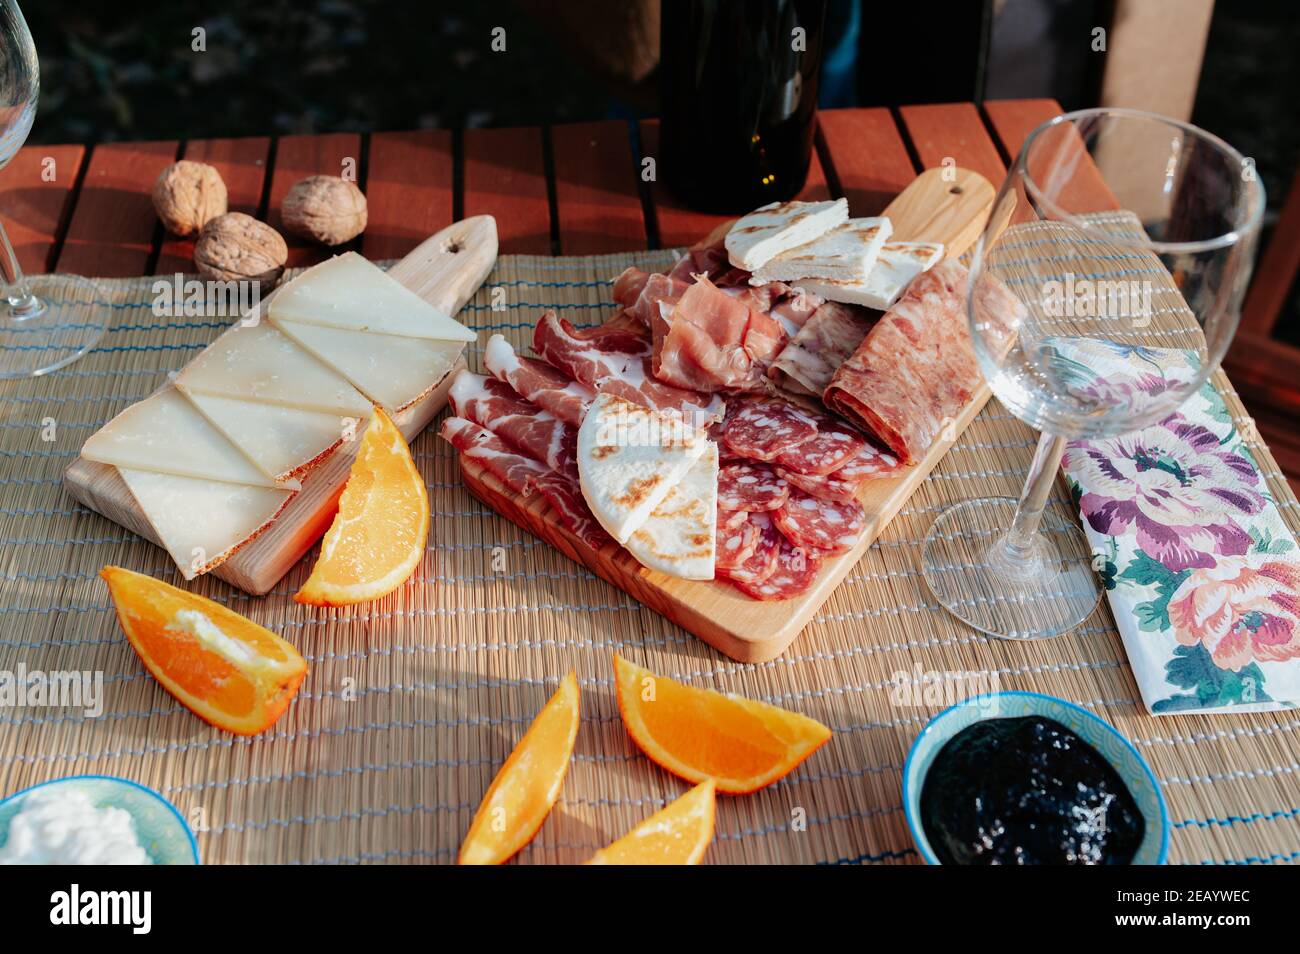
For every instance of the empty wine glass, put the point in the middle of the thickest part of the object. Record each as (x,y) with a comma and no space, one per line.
(46,322)
(1126,241)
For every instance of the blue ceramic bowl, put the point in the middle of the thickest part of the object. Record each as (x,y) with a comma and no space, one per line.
(1101,735)
(159,827)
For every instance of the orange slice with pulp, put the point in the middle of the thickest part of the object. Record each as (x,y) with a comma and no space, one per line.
(378,535)
(224,668)
(676,835)
(521,795)
(699,734)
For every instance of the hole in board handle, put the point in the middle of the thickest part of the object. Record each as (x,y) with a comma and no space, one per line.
(955,190)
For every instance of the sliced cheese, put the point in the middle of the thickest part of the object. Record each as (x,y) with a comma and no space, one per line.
(629,457)
(896,265)
(778,227)
(280,441)
(845,253)
(166,434)
(202,522)
(392,371)
(680,535)
(257,363)
(350,292)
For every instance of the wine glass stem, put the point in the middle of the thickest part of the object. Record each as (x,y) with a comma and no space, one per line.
(1019,540)
(22,303)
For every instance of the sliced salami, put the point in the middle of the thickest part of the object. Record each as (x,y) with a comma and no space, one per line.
(795,569)
(843,484)
(761,430)
(822,524)
(737,539)
(833,446)
(750,486)
(762,561)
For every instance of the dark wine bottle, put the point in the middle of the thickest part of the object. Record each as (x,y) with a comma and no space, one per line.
(739,88)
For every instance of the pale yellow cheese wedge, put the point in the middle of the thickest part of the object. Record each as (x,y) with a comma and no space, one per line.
(166,434)
(202,522)
(392,371)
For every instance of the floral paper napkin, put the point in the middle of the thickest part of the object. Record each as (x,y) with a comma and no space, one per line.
(1202,573)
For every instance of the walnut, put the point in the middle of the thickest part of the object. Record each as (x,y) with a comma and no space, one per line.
(187,195)
(326,209)
(235,247)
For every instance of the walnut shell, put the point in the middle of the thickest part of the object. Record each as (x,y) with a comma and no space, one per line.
(237,247)
(187,195)
(327,209)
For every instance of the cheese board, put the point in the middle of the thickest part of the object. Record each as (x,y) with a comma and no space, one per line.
(445,271)
(945,205)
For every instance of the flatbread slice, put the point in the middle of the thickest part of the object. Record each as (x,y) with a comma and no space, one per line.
(629,457)
(896,265)
(780,226)
(845,253)
(680,535)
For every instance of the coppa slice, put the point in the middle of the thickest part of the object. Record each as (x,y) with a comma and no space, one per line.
(281,441)
(821,524)
(699,734)
(392,371)
(629,457)
(777,227)
(495,405)
(760,430)
(200,523)
(826,340)
(846,253)
(679,536)
(257,363)
(538,382)
(164,433)
(897,264)
(348,291)
(751,486)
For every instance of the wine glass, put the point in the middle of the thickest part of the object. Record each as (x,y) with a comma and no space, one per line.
(46,321)
(1104,291)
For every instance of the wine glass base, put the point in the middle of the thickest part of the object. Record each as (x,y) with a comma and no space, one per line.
(1041,594)
(64,324)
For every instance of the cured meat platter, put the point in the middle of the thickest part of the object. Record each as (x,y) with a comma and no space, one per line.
(948,206)
(445,271)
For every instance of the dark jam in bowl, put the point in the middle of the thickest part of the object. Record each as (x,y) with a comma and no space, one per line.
(1027,791)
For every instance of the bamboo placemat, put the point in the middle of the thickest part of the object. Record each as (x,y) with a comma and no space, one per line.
(413,702)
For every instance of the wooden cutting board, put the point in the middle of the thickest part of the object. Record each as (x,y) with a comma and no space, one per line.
(949,206)
(445,270)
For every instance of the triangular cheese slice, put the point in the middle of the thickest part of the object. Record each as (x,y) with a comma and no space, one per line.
(166,434)
(392,371)
(281,441)
(629,457)
(202,522)
(257,363)
(349,292)
(680,536)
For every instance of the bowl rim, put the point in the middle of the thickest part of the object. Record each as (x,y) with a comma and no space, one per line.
(156,795)
(919,838)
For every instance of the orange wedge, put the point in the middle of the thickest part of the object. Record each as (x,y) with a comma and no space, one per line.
(699,734)
(521,796)
(377,538)
(677,835)
(224,668)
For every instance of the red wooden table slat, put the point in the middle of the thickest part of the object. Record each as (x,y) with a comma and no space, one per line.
(597,201)
(867,155)
(1014,119)
(297,157)
(505,177)
(1276,270)
(35,211)
(409,190)
(113,227)
(242,166)
(944,130)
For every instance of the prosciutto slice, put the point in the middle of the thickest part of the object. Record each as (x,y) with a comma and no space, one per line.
(641,292)
(495,405)
(538,382)
(617,361)
(712,341)
(826,340)
(916,370)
